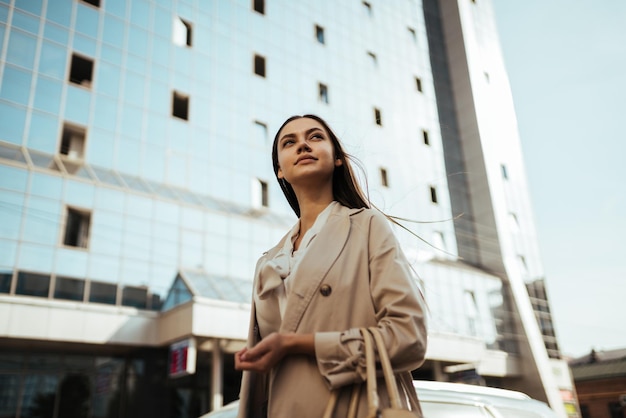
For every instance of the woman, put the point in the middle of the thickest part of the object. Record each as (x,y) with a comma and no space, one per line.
(339,268)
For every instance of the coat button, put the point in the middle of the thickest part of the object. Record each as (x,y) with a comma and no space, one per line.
(326,290)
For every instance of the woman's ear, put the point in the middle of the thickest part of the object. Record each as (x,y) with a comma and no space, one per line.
(338,162)
(279,173)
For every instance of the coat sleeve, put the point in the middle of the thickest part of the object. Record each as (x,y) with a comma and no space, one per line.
(399,314)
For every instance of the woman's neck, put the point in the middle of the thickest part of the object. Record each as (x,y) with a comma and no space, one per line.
(311,205)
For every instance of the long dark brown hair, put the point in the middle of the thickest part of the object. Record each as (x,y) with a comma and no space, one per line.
(345,188)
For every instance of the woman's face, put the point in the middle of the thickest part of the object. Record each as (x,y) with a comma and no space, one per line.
(305,153)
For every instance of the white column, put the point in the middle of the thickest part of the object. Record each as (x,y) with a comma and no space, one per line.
(216,376)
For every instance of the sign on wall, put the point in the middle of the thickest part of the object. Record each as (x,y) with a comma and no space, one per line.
(182,358)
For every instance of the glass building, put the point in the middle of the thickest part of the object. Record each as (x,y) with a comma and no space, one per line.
(137,192)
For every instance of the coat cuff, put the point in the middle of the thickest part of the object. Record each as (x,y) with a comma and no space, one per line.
(340,357)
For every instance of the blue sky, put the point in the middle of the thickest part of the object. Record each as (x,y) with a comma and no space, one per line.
(566,61)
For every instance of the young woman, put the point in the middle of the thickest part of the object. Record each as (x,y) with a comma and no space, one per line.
(338,269)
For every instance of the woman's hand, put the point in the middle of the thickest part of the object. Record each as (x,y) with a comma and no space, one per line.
(271,350)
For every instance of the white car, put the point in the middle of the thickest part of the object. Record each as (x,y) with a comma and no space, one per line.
(455,400)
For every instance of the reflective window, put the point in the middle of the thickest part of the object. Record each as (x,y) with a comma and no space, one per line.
(77,105)
(105,114)
(48,99)
(113,33)
(4,14)
(12,120)
(21,49)
(25,22)
(69,289)
(53,60)
(137,41)
(16,85)
(103,293)
(32,6)
(39,394)
(31,284)
(5,281)
(87,20)
(41,220)
(134,88)
(108,79)
(135,296)
(140,13)
(61,12)
(56,33)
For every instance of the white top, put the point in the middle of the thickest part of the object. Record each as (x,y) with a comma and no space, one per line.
(287,260)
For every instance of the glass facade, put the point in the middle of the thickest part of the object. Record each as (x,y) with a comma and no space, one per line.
(135,143)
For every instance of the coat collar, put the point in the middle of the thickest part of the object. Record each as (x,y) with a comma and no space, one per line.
(320,257)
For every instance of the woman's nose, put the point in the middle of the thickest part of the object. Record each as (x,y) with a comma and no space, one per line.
(303,146)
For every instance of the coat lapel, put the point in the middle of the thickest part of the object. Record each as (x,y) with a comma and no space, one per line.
(319,258)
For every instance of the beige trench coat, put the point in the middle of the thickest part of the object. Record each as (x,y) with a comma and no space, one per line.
(353,275)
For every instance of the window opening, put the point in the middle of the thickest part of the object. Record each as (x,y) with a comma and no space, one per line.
(505,172)
(373,58)
(259,65)
(323,93)
(72,142)
(77,228)
(5,281)
(319,34)
(418,84)
(180,105)
(384,180)
(260,129)
(426,138)
(260,194)
(181,32)
(259,6)
(95,3)
(433,194)
(81,71)
(377,117)
(413,34)
(368,8)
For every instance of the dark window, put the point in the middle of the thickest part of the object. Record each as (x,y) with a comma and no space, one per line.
(368,8)
(264,194)
(103,293)
(373,58)
(319,34)
(383,177)
(95,3)
(5,281)
(180,105)
(377,117)
(81,70)
(616,410)
(69,289)
(259,65)
(136,297)
(505,172)
(425,136)
(182,32)
(77,228)
(433,194)
(72,141)
(323,93)
(418,84)
(32,284)
(259,6)
(584,411)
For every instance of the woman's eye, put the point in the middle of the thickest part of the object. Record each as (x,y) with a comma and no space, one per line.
(287,142)
(317,137)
